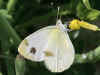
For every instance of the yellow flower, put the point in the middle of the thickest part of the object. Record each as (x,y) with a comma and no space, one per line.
(76,24)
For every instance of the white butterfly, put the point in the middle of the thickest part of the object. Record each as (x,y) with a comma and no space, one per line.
(50,44)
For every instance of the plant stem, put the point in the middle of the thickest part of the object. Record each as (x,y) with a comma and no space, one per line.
(20,65)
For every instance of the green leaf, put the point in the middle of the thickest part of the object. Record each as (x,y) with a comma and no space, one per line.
(11,6)
(1,73)
(87,14)
(1,3)
(87,4)
(7,29)
(93,14)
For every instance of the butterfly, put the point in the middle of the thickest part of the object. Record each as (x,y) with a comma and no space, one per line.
(51,45)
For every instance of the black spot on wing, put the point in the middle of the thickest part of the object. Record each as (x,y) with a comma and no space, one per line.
(33,50)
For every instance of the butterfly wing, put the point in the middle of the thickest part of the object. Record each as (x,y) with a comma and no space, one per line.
(50,45)
(32,47)
(60,51)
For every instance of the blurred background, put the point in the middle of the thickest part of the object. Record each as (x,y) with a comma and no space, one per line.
(19,18)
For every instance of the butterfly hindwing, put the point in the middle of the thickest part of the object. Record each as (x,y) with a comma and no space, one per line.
(62,50)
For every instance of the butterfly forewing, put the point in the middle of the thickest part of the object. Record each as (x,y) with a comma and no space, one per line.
(32,47)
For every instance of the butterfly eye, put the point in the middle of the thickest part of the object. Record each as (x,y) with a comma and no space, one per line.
(33,50)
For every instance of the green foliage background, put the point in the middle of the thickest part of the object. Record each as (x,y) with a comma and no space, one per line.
(19,18)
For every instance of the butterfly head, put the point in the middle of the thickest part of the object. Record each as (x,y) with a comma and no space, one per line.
(60,25)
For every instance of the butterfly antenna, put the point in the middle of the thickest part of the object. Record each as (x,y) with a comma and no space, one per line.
(58,13)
